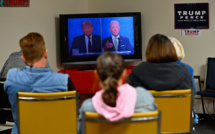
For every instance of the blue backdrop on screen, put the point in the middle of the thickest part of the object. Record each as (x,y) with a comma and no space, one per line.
(101,27)
(75,29)
(126,27)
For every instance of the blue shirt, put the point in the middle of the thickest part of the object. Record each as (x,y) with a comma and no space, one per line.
(31,79)
(190,69)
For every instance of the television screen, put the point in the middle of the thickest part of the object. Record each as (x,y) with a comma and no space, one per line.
(85,36)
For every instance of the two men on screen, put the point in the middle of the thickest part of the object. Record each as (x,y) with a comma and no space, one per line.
(87,42)
(116,42)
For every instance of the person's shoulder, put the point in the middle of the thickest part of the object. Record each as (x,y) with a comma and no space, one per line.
(60,75)
(188,66)
(13,72)
(97,36)
(106,39)
(144,95)
(62,78)
(142,91)
(185,67)
(78,37)
(123,37)
(87,106)
(109,37)
(87,102)
(139,66)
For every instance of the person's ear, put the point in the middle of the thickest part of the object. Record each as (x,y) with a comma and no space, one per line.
(23,59)
(96,74)
(97,80)
(46,54)
(124,75)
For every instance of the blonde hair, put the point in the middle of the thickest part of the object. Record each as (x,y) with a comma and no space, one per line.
(178,48)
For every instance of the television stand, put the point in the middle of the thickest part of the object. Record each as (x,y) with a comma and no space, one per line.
(84,78)
(88,68)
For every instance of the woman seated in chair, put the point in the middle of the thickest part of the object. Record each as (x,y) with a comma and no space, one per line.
(180,54)
(160,71)
(116,100)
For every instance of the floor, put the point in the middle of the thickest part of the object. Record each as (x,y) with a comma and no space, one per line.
(5,128)
(206,124)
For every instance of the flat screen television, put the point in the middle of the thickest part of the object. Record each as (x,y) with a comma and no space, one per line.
(74,45)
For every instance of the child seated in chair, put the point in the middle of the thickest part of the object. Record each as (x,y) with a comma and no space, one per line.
(116,100)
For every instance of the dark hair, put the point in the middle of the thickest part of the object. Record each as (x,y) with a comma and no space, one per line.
(160,49)
(110,67)
(87,23)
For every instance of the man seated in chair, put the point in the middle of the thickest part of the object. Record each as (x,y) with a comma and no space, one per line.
(35,77)
(13,61)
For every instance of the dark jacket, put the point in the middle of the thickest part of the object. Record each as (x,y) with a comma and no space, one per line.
(124,44)
(79,43)
(161,76)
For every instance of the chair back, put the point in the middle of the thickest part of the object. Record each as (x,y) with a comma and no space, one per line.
(4,102)
(139,123)
(176,108)
(210,75)
(5,107)
(47,113)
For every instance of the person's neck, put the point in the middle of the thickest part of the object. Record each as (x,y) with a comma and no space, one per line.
(115,36)
(119,82)
(39,64)
(89,36)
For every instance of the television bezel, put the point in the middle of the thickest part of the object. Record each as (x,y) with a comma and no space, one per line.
(64,50)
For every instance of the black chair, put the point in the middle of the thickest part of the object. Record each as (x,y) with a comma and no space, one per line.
(209,85)
(5,107)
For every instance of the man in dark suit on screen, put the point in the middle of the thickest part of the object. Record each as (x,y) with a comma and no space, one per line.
(86,43)
(116,42)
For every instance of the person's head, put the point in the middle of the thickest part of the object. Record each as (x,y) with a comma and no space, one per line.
(33,48)
(160,49)
(87,28)
(178,48)
(114,28)
(110,68)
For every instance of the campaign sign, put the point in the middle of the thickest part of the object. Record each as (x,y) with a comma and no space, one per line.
(191,32)
(14,3)
(191,16)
